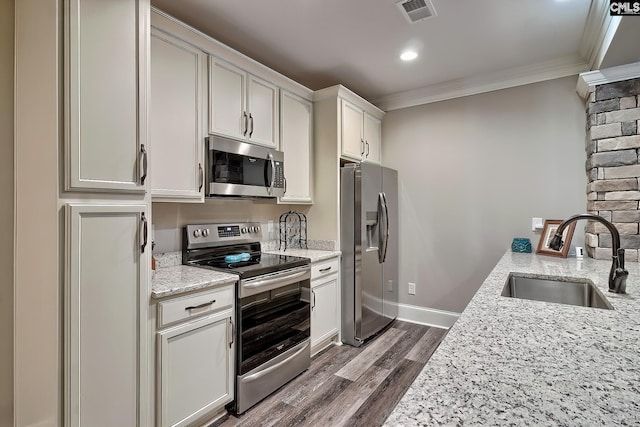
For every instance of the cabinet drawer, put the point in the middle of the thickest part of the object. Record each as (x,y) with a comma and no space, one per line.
(325,267)
(178,309)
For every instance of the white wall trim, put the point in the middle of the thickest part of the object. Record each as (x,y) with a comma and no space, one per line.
(427,316)
(517,76)
(589,80)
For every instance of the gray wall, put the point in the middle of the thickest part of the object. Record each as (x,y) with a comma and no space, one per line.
(6,212)
(473,172)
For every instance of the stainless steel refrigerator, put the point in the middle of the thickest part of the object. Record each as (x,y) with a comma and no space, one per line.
(369,245)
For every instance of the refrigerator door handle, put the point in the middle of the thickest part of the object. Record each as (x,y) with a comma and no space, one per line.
(383,229)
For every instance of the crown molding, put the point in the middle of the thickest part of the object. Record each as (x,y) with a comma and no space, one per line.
(599,31)
(589,80)
(503,79)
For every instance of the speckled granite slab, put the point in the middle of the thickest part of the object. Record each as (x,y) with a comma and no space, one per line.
(181,278)
(168,259)
(314,255)
(510,361)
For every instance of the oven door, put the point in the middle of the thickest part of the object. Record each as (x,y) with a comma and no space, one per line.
(270,324)
(273,337)
(236,168)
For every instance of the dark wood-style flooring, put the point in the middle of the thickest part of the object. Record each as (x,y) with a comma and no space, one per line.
(348,386)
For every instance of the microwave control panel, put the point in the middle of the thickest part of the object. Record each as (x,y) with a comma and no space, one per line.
(279,175)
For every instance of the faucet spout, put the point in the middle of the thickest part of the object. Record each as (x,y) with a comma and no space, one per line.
(618,274)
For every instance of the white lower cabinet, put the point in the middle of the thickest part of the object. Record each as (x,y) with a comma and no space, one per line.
(325,304)
(195,358)
(105,314)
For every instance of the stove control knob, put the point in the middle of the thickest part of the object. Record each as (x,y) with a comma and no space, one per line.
(257,229)
(205,232)
(244,230)
(197,233)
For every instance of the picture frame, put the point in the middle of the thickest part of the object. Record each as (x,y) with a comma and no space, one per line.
(548,231)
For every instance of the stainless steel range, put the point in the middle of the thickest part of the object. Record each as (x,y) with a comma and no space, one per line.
(272,306)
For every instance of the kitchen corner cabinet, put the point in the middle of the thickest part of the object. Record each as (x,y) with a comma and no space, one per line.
(177,115)
(241,105)
(105,95)
(105,314)
(296,141)
(360,134)
(325,305)
(195,357)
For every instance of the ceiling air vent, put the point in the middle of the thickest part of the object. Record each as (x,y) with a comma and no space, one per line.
(417,10)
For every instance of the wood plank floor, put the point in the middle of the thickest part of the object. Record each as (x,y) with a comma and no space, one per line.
(348,386)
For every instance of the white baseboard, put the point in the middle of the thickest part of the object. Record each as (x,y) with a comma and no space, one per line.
(427,316)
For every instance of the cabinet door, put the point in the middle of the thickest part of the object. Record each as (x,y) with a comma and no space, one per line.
(296,137)
(351,131)
(195,367)
(372,138)
(178,84)
(324,309)
(263,109)
(105,110)
(227,111)
(105,314)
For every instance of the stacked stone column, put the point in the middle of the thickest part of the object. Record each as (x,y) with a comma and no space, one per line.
(613,167)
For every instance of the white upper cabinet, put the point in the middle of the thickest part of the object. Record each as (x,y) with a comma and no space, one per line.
(372,135)
(105,95)
(296,141)
(351,131)
(241,105)
(360,134)
(227,103)
(177,117)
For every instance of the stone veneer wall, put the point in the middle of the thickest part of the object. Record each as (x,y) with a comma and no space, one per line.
(613,167)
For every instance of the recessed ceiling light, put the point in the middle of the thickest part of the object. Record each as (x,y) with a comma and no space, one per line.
(408,55)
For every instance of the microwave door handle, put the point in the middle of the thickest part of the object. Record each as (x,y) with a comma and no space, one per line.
(273,173)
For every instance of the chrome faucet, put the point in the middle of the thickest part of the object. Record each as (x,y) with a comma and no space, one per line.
(618,274)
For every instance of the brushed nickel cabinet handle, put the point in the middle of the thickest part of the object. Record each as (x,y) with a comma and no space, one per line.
(201,177)
(205,304)
(145,230)
(246,123)
(251,120)
(143,152)
(231,333)
(322,270)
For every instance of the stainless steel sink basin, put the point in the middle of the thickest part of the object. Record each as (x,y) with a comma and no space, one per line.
(574,292)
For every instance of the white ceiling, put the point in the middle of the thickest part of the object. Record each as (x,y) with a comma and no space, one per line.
(469,47)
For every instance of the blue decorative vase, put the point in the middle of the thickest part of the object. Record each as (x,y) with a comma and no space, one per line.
(521,244)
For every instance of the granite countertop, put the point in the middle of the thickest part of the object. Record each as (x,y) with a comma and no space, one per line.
(172,278)
(520,362)
(314,255)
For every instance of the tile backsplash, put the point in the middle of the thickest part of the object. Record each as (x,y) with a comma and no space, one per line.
(170,218)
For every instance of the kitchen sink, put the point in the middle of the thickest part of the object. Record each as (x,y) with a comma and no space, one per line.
(565,291)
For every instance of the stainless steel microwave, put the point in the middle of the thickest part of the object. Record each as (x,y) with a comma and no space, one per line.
(239,169)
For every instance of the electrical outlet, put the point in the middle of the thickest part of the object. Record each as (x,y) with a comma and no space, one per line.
(536,224)
(412,288)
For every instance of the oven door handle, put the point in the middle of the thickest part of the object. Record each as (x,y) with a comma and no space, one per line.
(254,286)
(280,280)
(270,369)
